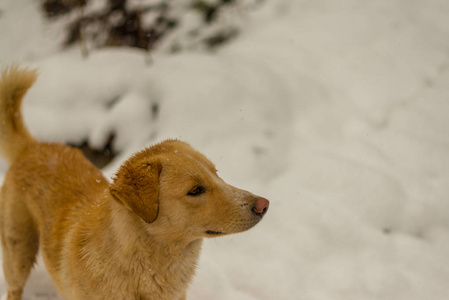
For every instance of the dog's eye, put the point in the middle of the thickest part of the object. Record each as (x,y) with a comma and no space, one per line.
(196,191)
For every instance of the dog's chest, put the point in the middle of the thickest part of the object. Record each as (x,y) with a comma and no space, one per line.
(170,282)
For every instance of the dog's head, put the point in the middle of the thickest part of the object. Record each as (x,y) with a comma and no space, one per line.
(177,190)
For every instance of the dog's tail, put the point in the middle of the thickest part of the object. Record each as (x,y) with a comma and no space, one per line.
(14,136)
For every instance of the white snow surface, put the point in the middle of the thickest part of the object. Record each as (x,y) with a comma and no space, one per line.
(336,111)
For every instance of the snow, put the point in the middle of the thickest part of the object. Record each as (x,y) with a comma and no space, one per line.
(336,111)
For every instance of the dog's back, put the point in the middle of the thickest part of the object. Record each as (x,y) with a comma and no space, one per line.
(53,165)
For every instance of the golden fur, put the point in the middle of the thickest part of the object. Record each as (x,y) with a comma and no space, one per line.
(136,238)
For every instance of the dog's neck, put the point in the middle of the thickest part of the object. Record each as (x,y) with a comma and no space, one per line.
(160,259)
(143,259)
(132,231)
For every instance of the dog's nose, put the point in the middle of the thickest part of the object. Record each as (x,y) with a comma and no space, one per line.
(261,206)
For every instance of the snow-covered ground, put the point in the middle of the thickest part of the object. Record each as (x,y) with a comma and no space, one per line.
(336,111)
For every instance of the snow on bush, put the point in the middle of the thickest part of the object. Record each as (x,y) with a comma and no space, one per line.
(335,111)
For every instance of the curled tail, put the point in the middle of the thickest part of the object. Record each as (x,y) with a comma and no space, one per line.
(14,136)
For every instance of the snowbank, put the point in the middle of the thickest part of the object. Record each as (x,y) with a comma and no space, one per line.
(335,111)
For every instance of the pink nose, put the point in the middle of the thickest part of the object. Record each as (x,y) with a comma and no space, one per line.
(261,206)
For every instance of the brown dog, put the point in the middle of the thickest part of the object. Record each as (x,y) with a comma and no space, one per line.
(137,238)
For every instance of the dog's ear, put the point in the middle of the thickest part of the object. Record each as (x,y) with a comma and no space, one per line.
(137,187)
